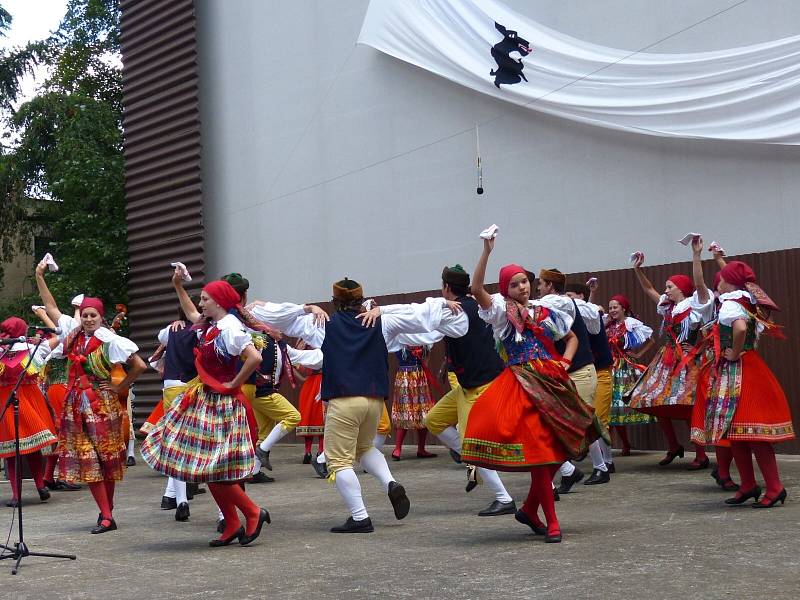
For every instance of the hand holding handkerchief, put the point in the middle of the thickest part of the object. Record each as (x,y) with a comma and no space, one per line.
(490,232)
(182,270)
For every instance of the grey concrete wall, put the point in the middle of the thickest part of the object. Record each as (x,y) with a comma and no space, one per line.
(300,124)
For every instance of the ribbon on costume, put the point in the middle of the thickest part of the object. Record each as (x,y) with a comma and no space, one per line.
(77,377)
(419,353)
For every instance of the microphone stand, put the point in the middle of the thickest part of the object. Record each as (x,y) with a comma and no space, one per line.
(20,549)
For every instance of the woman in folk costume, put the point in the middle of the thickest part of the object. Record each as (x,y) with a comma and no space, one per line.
(312,409)
(412,397)
(530,418)
(205,436)
(37,431)
(629,338)
(668,386)
(92,435)
(745,404)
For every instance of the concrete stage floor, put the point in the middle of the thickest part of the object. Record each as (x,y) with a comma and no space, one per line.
(651,533)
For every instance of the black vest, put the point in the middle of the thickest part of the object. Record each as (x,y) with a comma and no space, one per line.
(179,355)
(601,350)
(583,356)
(266,380)
(473,357)
(355,359)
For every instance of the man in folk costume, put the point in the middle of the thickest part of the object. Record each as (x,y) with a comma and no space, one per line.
(475,363)
(586,320)
(603,365)
(355,383)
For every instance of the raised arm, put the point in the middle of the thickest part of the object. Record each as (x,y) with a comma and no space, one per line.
(41,313)
(644,281)
(697,270)
(479,276)
(50,305)
(719,256)
(187,306)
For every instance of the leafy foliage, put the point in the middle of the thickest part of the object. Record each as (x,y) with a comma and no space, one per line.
(66,147)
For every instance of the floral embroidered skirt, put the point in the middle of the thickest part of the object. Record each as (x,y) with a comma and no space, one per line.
(412,398)
(92,437)
(625,376)
(663,392)
(203,437)
(312,409)
(37,431)
(740,401)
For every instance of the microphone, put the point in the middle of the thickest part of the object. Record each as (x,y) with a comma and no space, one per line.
(55,330)
(12,341)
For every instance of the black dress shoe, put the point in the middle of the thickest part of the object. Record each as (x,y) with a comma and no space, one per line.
(44,494)
(53,485)
(261,477)
(220,525)
(671,455)
(567,482)
(182,512)
(263,456)
(768,502)
(352,526)
(400,502)
(472,478)
(263,517)
(130,462)
(307,458)
(498,508)
(523,518)
(225,541)
(598,477)
(455,456)
(697,466)
(12,503)
(742,497)
(556,496)
(320,468)
(69,487)
(168,503)
(611,468)
(553,538)
(112,526)
(715,475)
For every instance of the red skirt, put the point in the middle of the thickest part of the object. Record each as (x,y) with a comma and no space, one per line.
(36,428)
(506,432)
(154,417)
(312,409)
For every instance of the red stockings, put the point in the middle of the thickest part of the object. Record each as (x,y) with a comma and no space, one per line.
(724,460)
(229,497)
(541,494)
(99,491)
(34,464)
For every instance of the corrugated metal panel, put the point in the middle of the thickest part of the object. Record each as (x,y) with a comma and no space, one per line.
(775,271)
(163,184)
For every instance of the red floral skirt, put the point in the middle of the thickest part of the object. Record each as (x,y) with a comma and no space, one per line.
(36,428)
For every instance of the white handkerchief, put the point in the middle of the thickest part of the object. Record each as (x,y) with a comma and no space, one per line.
(51,264)
(490,232)
(36,307)
(715,247)
(77,300)
(182,270)
(687,239)
(591,281)
(635,255)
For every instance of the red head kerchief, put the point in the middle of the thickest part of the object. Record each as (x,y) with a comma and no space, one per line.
(13,327)
(223,294)
(622,301)
(506,273)
(95,303)
(738,274)
(683,283)
(717,279)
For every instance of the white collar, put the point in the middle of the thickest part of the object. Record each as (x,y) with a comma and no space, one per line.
(736,295)
(104,334)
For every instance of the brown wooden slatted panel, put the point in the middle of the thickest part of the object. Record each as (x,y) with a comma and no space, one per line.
(163,183)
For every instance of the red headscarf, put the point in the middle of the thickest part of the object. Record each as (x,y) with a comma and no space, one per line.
(717,279)
(95,303)
(506,274)
(223,294)
(683,283)
(738,273)
(13,327)
(623,302)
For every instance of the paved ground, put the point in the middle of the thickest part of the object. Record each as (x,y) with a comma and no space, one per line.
(651,533)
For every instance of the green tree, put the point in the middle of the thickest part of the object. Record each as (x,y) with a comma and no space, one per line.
(65,146)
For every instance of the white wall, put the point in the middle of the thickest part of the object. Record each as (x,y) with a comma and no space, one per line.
(295,116)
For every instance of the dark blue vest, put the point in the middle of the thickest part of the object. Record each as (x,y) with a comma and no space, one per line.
(601,350)
(355,359)
(179,355)
(266,380)
(473,357)
(583,356)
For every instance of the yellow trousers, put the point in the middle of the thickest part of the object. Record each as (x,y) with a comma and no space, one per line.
(585,380)
(274,409)
(350,426)
(453,409)
(385,423)
(602,395)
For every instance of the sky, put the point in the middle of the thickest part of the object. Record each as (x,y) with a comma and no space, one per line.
(32,20)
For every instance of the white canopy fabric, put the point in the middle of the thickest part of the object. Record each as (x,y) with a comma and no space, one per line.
(747,94)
